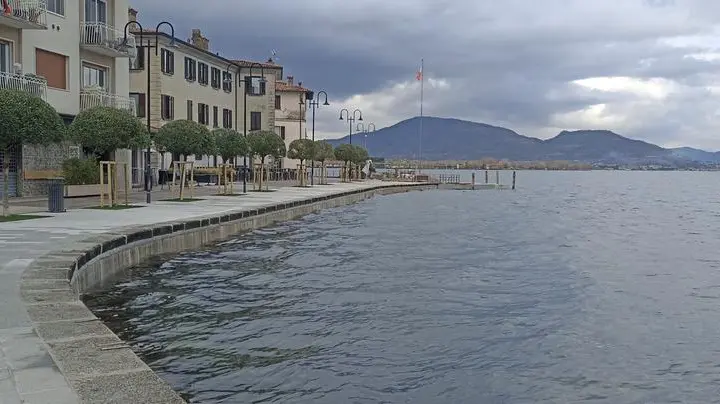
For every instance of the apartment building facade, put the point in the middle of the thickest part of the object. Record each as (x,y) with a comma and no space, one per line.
(189,81)
(290,114)
(75,55)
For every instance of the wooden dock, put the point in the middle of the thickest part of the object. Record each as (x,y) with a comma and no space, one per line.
(453,182)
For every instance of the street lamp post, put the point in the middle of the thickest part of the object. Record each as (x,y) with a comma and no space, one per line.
(367,129)
(247,82)
(228,80)
(315,103)
(148,62)
(350,118)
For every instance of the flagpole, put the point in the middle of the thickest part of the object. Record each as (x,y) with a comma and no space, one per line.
(422,88)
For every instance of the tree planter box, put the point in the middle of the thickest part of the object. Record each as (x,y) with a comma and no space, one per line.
(79,191)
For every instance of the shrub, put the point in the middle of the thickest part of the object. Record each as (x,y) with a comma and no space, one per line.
(81,171)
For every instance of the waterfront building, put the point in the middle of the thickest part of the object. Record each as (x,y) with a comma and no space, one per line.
(290,112)
(190,81)
(71,53)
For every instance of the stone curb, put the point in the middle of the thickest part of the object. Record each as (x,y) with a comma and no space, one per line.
(99,366)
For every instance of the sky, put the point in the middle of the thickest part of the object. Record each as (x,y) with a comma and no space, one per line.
(646,69)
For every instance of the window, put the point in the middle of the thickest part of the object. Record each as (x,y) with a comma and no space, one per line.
(190,110)
(95,11)
(93,76)
(167,107)
(278,102)
(255,120)
(215,78)
(203,113)
(190,69)
(215,117)
(6,58)
(139,62)
(227,82)
(281,131)
(202,73)
(167,62)
(139,104)
(56,6)
(227,118)
(52,66)
(254,85)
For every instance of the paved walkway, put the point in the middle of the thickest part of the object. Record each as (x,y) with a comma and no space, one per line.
(40,204)
(28,373)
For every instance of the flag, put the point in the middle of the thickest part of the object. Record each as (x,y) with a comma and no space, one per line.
(419,75)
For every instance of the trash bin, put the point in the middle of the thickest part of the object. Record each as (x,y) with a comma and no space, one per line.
(56,195)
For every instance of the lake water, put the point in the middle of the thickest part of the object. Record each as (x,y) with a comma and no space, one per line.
(578,287)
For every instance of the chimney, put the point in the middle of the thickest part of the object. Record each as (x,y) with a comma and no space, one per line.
(132,15)
(198,40)
(290,80)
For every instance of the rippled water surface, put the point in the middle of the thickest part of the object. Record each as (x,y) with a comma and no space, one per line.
(578,287)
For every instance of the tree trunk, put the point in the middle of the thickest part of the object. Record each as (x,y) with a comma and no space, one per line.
(6,182)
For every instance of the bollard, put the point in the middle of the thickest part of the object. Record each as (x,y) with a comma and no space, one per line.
(473,180)
(513,185)
(486,176)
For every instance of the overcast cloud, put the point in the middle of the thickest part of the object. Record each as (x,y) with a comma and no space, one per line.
(646,69)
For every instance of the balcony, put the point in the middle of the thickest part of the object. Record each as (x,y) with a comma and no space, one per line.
(24,14)
(32,84)
(96,98)
(106,40)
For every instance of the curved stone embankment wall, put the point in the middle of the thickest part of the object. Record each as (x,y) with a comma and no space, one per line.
(97,363)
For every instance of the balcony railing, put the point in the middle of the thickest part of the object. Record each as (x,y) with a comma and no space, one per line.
(97,98)
(34,85)
(27,14)
(106,39)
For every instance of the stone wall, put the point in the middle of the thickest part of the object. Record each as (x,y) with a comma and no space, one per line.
(99,366)
(43,158)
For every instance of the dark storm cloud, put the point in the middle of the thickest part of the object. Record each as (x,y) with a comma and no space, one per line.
(510,61)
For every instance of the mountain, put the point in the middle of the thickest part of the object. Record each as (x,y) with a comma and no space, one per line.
(455,139)
(698,155)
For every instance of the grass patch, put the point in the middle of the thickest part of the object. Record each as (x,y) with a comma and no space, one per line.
(17,218)
(262,190)
(115,207)
(181,200)
(235,194)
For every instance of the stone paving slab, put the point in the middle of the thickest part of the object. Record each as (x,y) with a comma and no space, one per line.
(51,346)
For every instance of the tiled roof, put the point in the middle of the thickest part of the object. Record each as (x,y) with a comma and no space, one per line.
(248,63)
(241,63)
(283,86)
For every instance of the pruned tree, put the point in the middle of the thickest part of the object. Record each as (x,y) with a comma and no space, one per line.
(360,157)
(230,144)
(102,130)
(25,119)
(346,154)
(265,144)
(301,149)
(323,152)
(186,138)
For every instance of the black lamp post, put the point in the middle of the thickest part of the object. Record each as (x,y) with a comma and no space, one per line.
(315,103)
(229,81)
(350,118)
(148,62)
(248,86)
(366,132)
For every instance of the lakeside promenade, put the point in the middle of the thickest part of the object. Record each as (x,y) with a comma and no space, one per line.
(49,340)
